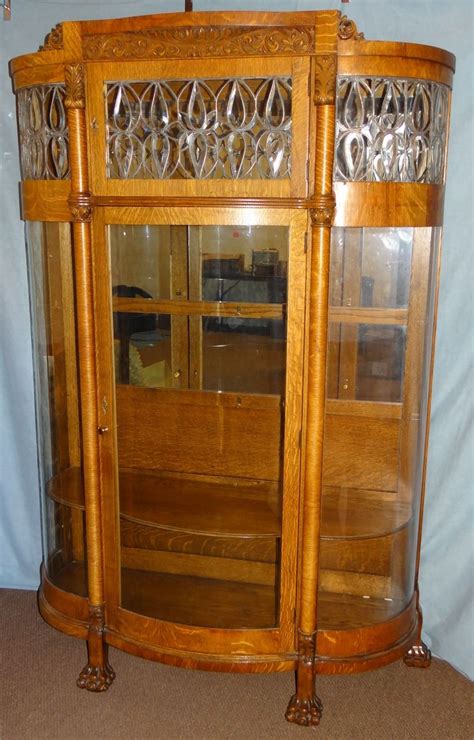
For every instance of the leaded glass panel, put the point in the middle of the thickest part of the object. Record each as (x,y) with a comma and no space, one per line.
(199,129)
(44,135)
(390,130)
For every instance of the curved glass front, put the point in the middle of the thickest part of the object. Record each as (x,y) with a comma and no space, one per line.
(52,301)
(382,287)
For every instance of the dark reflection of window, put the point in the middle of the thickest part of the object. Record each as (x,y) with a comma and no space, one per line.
(244,355)
(380,362)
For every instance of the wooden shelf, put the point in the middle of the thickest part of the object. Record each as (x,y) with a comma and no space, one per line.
(204,602)
(200,602)
(200,506)
(345,611)
(67,488)
(219,507)
(357,513)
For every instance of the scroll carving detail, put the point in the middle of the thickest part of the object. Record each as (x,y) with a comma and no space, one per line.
(200,41)
(54,39)
(348,30)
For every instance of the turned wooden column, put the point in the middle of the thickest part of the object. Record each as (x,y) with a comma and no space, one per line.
(305,708)
(97,675)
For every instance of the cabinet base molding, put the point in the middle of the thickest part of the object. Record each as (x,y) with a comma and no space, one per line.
(377,645)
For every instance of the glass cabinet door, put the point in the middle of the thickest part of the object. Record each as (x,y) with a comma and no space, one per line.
(201,333)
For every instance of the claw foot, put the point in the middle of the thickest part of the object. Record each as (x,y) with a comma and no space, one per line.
(419,656)
(306,712)
(96,678)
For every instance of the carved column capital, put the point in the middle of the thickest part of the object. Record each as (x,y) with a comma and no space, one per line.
(322,211)
(80,205)
(325,79)
(75,86)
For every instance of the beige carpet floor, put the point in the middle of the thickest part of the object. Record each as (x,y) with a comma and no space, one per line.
(39,699)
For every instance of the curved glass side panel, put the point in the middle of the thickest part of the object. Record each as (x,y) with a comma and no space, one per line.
(57,404)
(390,130)
(233,128)
(44,134)
(381,312)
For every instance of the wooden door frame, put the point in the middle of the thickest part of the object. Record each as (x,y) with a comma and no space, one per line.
(164,635)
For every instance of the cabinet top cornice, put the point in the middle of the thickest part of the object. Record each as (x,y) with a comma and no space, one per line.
(216,34)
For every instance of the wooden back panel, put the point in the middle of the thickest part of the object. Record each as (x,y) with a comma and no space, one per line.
(361,452)
(199,432)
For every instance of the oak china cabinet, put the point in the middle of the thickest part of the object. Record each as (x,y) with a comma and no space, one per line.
(233,231)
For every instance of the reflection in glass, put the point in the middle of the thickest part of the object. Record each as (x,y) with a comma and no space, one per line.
(374,452)
(242,263)
(370,267)
(199,319)
(141,259)
(244,355)
(366,362)
(142,349)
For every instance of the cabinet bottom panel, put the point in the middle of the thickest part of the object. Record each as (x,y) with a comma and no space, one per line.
(224,604)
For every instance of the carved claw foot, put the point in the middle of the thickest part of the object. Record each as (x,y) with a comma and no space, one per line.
(306,712)
(419,656)
(96,678)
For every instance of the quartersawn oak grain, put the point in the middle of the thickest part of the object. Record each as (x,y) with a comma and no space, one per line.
(237,531)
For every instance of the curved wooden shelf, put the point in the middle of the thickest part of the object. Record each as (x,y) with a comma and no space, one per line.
(214,507)
(338,611)
(244,509)
(359,514)
(67,488)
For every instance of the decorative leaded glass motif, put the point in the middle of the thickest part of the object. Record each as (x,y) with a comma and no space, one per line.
(43,133)
(390,130)
(217,129)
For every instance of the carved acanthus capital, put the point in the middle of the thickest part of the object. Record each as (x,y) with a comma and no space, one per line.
(348,30)
(80,205)
(54,40)
(75,86)
(322,211)
(325,79)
